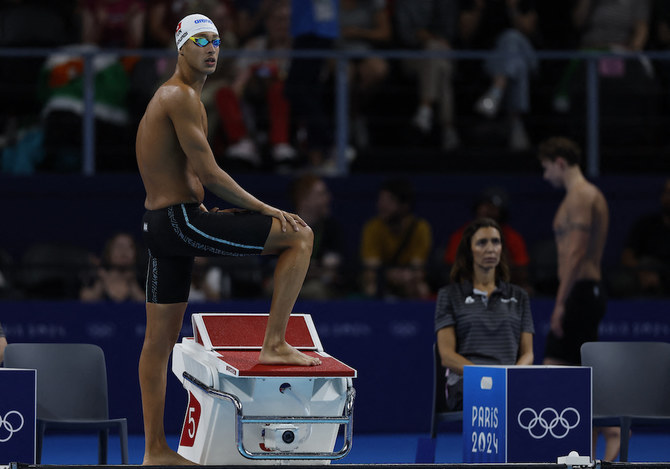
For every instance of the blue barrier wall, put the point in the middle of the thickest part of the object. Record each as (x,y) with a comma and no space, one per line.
(85,211)
(389,343)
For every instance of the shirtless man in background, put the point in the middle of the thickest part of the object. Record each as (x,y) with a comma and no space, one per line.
(580,227)
(176,164)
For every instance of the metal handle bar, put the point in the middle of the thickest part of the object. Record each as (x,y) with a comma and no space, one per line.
(346,420)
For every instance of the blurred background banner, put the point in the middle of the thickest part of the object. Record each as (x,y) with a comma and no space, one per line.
(388,342)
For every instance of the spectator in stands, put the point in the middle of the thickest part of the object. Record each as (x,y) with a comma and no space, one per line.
(659,40)
(6,267)
(122,24)
(312,201)
(258,84)
(480,318)
(114,24)
(250,17)
(608,26)
(104,24)
(659,33)
(647,249)
(364,25)
(494,203)
(430,25)
(395,245)
(116,275)
(51,24)
(61,91)
(3,344)
(613,25)
(505,27)
(161,15)
(314,26)
(206,281)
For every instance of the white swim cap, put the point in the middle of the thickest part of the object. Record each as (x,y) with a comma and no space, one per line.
(192,25)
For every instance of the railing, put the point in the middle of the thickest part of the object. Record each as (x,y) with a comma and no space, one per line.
(341,59)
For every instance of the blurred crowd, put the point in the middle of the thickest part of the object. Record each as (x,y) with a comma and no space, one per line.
(397,253)
(276,113)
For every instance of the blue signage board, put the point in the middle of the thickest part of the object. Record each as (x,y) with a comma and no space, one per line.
(514,414)
(18,411)
(484,414)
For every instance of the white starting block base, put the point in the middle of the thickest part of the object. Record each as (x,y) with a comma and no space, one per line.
(241,412)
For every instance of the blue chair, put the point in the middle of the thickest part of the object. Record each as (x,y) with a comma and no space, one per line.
(630,385)
(71,391)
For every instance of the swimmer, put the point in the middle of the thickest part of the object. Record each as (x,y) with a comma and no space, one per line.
(176,164)
(580,228)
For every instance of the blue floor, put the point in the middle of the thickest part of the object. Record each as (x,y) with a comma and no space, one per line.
(366,449)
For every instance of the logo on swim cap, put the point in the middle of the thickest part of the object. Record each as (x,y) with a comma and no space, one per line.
(192,25)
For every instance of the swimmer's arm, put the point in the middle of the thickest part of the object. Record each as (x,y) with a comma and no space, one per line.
(577,231)
(446,344)
(185,111)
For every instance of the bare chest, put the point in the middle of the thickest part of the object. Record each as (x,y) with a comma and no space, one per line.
(561,221)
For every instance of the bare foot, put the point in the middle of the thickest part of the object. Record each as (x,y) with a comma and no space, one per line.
(285,354)
(167,458)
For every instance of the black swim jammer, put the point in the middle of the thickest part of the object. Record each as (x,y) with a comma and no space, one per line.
(176,234)
(584,309)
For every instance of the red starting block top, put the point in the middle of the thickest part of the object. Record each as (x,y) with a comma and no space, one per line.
(245,363)
(218,331)
(236,340)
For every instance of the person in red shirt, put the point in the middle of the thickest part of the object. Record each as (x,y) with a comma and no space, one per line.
(493,203)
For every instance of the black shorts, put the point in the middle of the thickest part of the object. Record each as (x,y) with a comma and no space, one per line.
(584,309)
(176,234)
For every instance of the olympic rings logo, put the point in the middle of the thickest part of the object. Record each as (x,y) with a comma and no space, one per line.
(10,425)
(547,421)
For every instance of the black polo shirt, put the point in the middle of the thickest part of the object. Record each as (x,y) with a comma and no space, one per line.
(488,331)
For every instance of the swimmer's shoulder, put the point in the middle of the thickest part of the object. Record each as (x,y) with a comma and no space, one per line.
(174,95)
(586,194)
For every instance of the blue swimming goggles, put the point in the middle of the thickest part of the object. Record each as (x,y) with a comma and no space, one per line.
(202,42)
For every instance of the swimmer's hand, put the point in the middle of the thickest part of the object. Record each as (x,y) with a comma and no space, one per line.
(285,218)
(556,321)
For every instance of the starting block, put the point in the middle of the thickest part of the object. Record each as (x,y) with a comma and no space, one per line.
(242,412)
